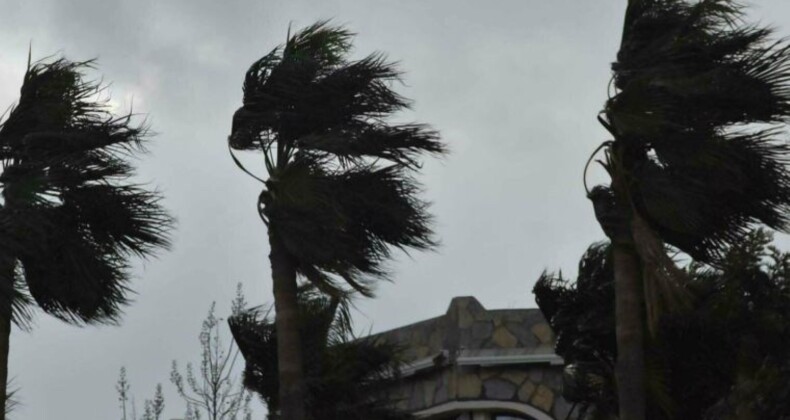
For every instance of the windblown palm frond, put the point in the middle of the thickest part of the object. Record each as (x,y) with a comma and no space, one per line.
(726,353)
(340,193)
(582,317)
(12,402)
(344,376)
(70,216)
(699,96)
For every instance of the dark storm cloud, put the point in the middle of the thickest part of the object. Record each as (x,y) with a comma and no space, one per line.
(514,87)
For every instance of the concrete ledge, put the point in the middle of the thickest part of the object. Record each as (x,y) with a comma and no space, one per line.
(485,406)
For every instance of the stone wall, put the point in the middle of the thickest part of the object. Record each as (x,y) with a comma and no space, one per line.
(468,329)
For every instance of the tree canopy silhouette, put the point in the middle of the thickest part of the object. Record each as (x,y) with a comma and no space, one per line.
(697,109)
(339,191)
(340,194)
(691,82)
(70,216)
(724,358)
(345,376)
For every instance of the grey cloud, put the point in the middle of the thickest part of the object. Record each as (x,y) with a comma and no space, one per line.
(514,86)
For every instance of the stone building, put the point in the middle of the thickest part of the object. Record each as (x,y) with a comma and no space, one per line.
(477,364)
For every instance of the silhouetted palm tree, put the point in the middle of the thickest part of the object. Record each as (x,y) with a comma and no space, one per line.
(582,317)
(723,358)
(345,377)
(339,194)
(689,167)
(70,218)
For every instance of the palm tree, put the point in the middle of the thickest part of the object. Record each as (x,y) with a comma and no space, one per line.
(339,194)
(345,377)
(721,359)
(582,317)
(695,158)
(69,217)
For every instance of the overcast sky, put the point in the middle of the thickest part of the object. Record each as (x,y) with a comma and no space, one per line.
(513,86)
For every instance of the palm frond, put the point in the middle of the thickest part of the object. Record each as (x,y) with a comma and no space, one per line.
(12,402)
(702,361)
(343,375)
(696,89)
(581,314)
(71,217)
(344,223)
(321,42)
(340,193)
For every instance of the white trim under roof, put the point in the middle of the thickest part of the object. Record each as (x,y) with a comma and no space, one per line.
(481,358)
(483,405)
(509,359)
(425,363)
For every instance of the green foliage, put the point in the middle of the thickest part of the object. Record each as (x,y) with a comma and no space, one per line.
(725,356)
(765,395)
(344,375)
(695,114)
(339,192)
(70,217)
(582,316)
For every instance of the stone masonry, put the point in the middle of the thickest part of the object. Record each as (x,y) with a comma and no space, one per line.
(475,355)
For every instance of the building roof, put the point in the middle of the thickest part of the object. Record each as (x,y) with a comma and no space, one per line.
(477,360)
(470,334)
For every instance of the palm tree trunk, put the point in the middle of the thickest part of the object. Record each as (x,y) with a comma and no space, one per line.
(6,275)
(289,343)
(614,214)
(629,308)
(628,287)
(5,336)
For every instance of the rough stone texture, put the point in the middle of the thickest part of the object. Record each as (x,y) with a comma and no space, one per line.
(536,375)
(522,333)
(422,352)
(441,394)
(551,380)
(515,376)
(465,337)
(465,319)
(543,332)
(526,391)
(482,330)
(469,386)
(428,390)
(415,398)
(499,389)
(468,325)
(504,338)
(543,398)
(487,373)
(435,340)
(469,330)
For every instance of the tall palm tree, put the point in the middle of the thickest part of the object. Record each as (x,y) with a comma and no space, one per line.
(339,194)
(345,377)
(69,218)
(695,159)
